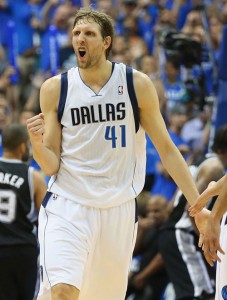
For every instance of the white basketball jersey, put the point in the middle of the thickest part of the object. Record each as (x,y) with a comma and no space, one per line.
(103,145)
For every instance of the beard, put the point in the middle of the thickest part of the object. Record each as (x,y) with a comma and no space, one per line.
(90,62)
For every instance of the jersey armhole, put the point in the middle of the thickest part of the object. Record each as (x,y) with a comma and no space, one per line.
(63,95)
(132,96)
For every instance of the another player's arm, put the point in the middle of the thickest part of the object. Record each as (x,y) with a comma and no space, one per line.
(153,123)
(220,206)
(213,189)
(211,241)
(45,130)
(40,188)
(212,245)
(210,170)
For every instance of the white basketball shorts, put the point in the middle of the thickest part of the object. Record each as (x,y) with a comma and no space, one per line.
(221,274)
(89,248)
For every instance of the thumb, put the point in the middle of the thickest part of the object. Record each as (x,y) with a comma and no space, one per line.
(41,115)
(200,243)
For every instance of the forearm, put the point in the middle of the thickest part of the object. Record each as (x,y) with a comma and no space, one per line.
(155,265)
(178,169)
(46,158)
(220,206)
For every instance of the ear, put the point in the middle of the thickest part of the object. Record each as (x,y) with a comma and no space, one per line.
(22,148)
(107,42)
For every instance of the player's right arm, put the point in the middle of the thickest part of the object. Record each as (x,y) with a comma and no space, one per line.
(45,130)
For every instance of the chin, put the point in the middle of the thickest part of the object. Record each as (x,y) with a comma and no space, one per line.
(82,65)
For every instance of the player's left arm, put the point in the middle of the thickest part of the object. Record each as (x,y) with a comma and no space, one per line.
(153,123)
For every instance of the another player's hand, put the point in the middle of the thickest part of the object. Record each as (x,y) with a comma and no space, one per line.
(203,199)
(201,220)
(209,230)
(211,243)
(35,126)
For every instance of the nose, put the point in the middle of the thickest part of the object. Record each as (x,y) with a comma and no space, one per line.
(81,37)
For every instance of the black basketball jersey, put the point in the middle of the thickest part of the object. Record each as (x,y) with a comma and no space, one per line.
(17,207)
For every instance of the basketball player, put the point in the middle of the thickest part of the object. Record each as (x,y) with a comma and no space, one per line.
(21,192)
(215,238)
(178,241)
(211,242)
(90,139)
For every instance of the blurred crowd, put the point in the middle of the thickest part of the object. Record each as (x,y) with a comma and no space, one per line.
(175,42)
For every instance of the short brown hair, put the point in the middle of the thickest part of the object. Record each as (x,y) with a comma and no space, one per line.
(105,22)
(13,135)
(220,140)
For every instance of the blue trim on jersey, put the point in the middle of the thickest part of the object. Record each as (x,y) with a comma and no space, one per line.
(46,199)
(226,221)
(136,211)
(113,65)
(132,96)
(63,94)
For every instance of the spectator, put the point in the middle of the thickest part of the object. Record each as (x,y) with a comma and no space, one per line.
(196,133)
(5,73)
(67,58)
(175,88)
(149,279)
(54,37)
(119,45)
(26,16)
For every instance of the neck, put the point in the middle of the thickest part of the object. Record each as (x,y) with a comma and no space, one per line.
(11,155)
(97,75)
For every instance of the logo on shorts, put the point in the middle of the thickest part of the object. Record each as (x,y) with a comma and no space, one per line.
(41,273)
(224,292)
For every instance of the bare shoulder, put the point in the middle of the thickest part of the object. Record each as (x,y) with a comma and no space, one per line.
(51,84)
(211,169)
(50,92)
(211,164)
(145,89)
(141,80)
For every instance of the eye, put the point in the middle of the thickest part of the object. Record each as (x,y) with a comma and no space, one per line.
(76,33)
(89,33)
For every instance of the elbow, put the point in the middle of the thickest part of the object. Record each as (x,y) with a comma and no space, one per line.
(50,171)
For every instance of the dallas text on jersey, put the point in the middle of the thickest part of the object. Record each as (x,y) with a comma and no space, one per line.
(100,113)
